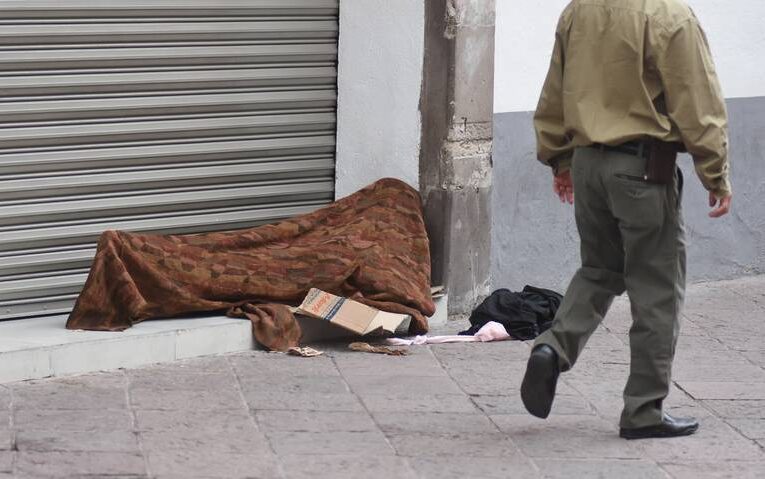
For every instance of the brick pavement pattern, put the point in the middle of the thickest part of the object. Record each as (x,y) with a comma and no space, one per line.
(446,411)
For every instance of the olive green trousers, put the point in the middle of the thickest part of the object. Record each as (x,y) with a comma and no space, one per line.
(632,239)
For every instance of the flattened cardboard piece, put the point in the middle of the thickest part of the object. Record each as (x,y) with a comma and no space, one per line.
(349,314)
(368,348)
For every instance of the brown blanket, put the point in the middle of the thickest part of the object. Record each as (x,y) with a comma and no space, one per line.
(371,246)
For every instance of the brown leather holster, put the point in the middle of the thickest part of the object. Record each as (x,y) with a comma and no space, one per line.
(661,162)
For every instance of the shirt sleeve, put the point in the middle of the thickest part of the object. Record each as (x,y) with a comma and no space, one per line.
(552,142)
(695,103)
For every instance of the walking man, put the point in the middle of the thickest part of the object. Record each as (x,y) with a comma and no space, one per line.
(631,83)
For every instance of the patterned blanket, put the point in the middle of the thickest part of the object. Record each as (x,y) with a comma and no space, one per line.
(371,246)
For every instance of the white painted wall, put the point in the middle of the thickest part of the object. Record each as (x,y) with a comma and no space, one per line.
(525,33)
(380,77)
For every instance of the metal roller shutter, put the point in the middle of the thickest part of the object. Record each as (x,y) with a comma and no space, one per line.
(155,115)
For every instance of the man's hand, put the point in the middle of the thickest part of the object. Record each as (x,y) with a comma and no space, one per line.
(722,206)
(564,187)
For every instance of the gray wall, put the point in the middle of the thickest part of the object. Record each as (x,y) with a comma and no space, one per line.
(534,236)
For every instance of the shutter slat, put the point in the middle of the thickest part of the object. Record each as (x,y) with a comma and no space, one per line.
(165,31)
(176,81)
(136,156)
(131,131)
(100,182)
(119,58)
(83,109)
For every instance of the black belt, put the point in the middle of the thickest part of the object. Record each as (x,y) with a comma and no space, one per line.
(636,148)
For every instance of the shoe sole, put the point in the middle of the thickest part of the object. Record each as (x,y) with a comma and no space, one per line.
(535,387)
(660,435)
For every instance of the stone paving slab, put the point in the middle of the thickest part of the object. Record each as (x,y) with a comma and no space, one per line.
(79,464)
(751,428)
(184,421)
(5,398)
(174,399)
(601,468)
(415,365)
(392,423)
(484,382)
(424,402)
(166,380)
(445,411)
(239,442)
(264,399)
(464,445)
(51,440)
(732,390)
(344,466)
(205,365)
(5,438)
(402,385)
(315,421)
(564,405)
(6,461)
(739,409)
(335,442)
(716,470)
(452,355)
(755,357)
(100,391)
(571,437)
(258,365)
(75,420)
(462,467)
(308,385)
(714,436)
(197,463)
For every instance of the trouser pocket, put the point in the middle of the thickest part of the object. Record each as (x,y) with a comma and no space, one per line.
(632,177)
(637,203)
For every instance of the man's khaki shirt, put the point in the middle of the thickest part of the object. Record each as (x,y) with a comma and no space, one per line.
(623,70)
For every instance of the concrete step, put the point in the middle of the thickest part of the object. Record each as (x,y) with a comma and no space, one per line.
(37,348)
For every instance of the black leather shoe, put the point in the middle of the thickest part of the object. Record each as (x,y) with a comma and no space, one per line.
(669,427)
(538,387)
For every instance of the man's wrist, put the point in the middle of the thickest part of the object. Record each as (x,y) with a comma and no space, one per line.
(722,193)
(561,164)
(723,189)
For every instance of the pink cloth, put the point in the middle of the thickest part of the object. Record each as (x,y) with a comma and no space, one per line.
(491,331)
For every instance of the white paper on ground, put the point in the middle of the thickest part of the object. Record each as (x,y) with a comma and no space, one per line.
(491,331)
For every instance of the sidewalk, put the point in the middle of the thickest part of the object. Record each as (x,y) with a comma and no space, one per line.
(446,411)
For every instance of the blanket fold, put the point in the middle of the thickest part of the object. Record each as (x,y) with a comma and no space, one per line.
(371,246)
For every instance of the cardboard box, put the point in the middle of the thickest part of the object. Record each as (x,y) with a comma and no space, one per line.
(349,314)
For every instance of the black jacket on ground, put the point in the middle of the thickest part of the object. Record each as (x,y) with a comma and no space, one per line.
(524,315)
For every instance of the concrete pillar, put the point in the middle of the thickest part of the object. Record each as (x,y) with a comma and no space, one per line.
(456,146)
